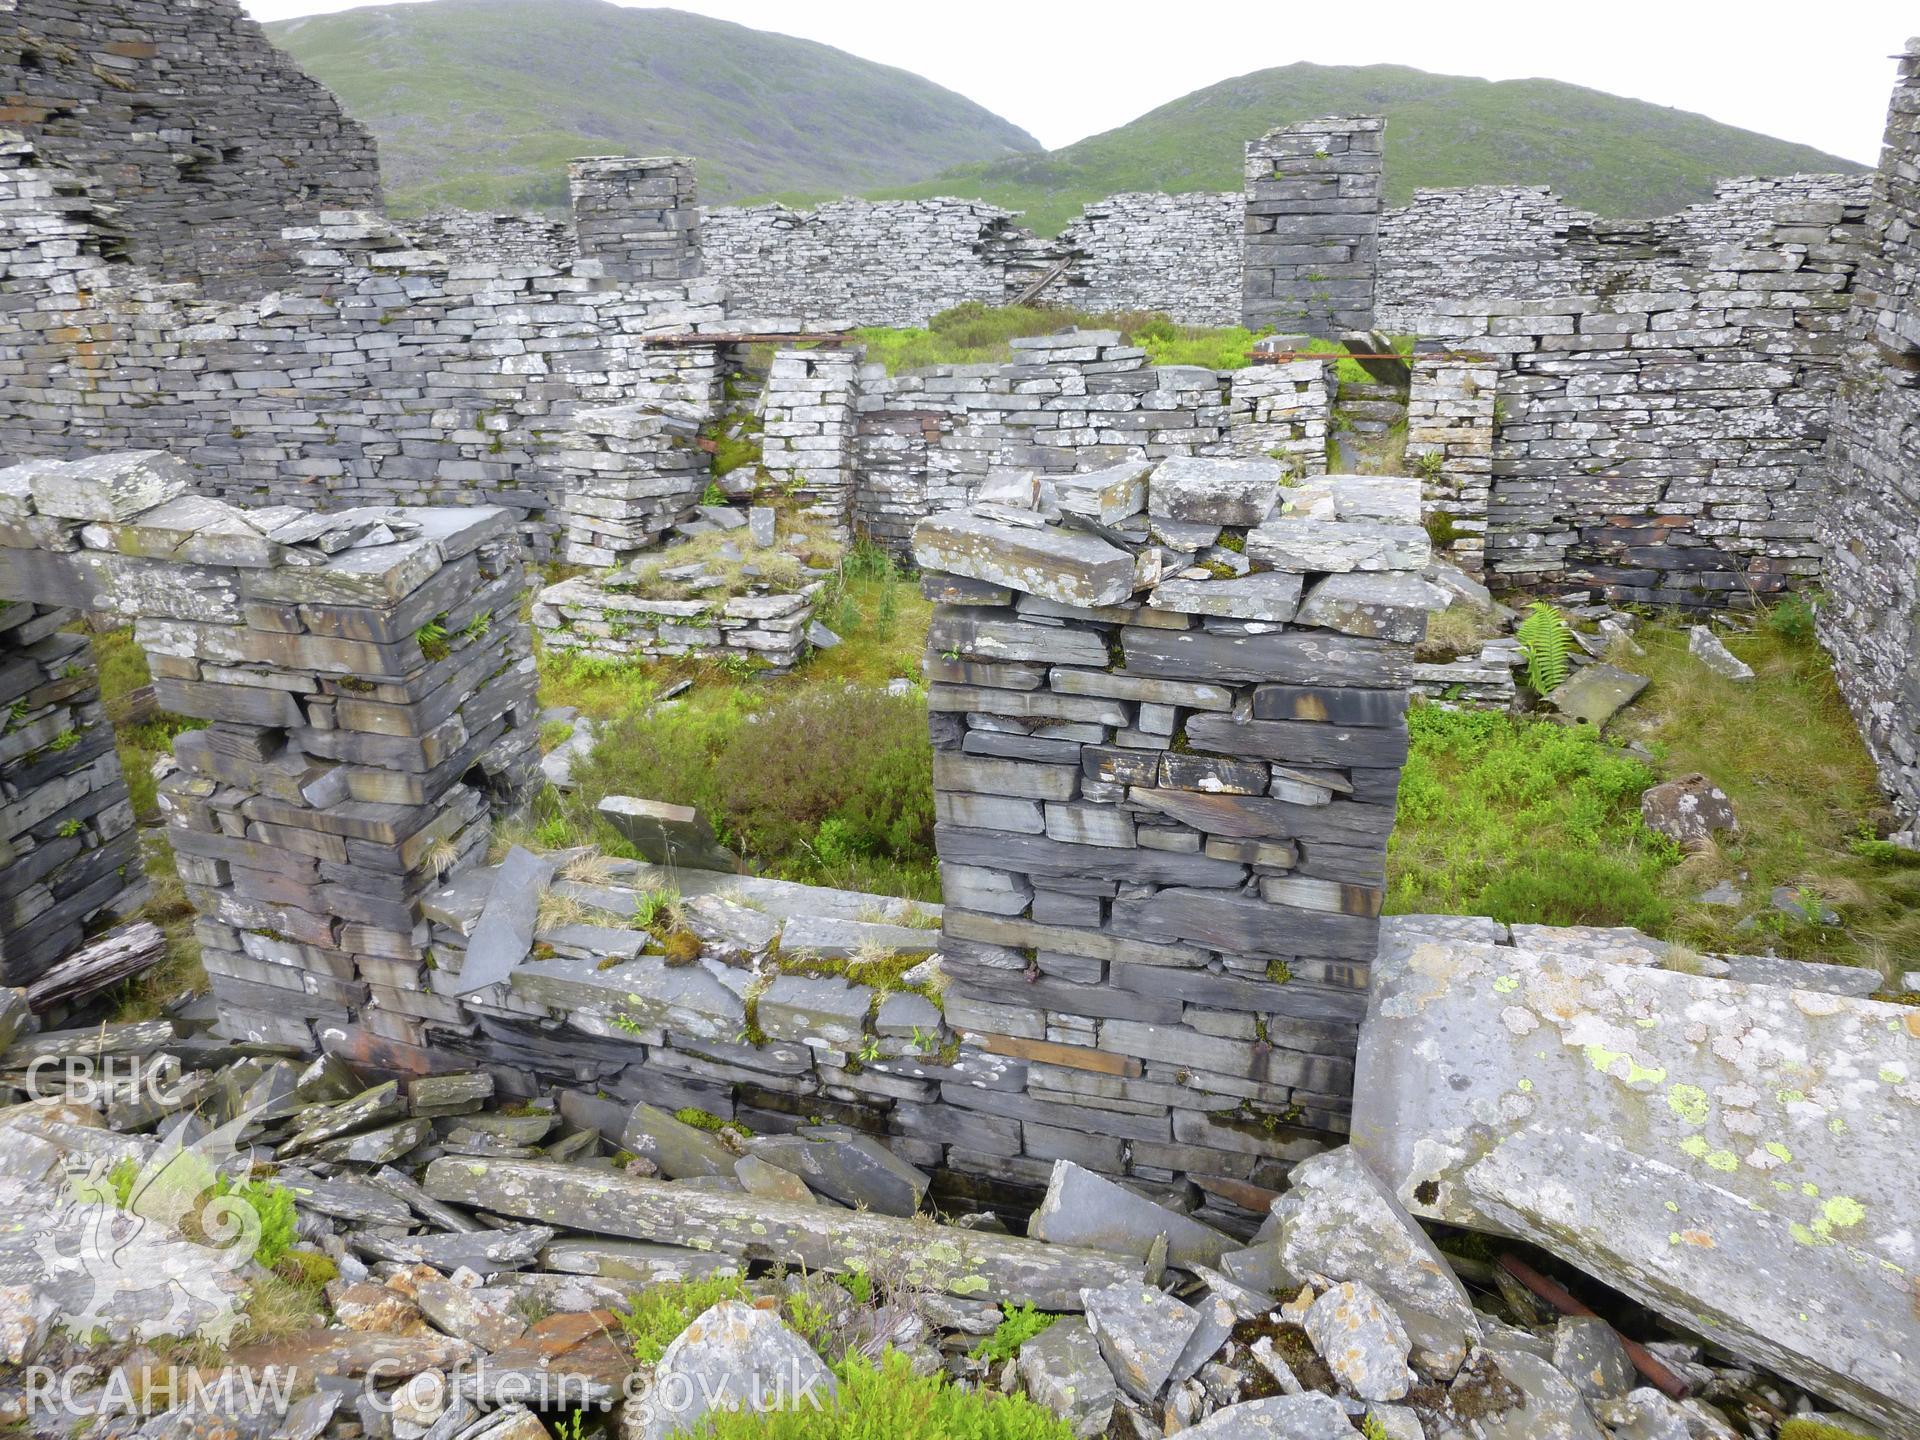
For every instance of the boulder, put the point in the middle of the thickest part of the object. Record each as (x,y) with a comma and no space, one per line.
(1215,491)
(1710,651)
(731,1357)
(1062,1369)
(679,1150)
(1141,1333)
(1688,811)
(1338,1221)
(1588,1352)
(1362,1340)
(1550,1409)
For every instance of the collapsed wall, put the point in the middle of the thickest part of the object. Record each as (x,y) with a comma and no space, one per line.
(205,139)
(1870,505)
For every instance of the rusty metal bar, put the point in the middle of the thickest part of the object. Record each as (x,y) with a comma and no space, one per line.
(1558,1296)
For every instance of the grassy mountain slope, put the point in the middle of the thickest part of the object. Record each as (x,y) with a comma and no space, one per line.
(481,103)
(1616,156)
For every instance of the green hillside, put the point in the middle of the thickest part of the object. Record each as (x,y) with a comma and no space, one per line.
(481,103)
(1619,157)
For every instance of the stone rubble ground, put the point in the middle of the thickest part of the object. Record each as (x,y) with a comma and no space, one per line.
(483,1244)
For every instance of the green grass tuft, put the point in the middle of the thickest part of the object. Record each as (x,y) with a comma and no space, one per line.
(888,1401)
(660,1312)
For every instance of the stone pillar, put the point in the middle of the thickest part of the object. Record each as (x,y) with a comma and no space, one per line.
(637,220)
(369,692)
(69,855)
(625,476)
(1312,227)
(1450,425)
(1166,757)
(807,439)
(1282,412)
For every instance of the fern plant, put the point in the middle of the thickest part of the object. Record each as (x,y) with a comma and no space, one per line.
(1547,642)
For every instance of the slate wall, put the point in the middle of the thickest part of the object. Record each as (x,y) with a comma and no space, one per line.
(1312,225)
(1163,798)
(206,139)
(865,262)
(1870,511)
(383,373)
(926,442)
(1662,427)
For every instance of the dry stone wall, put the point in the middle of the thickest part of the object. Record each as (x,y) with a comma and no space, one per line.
(206,140)
(1450,436)
(1663,427)
(1177,254)
(369,692)
(1491,241)
(1168,711)
(382,373)
(1870,508)
(865,262)
(69,855)
(927,441)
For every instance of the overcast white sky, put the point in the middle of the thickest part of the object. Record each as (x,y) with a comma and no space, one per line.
(1816,74)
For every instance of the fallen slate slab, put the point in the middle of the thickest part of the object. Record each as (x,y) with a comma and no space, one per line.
(970,1263)
(504,935)
(1594,694)
(671,835)
(1108,495)
(852,1168)
(485,1252)
(1665,1133)
(1062,1369)
(480,1317)
(1141,1333)
(1711,651)
(1362,1341)
(1339,1221)
(679,1150)
(1082,1208)
(762,1177)
(732,1357)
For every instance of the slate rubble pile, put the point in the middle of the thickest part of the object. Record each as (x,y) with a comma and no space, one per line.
(1168,708)
(483,1249)
(368,688)
(662,605)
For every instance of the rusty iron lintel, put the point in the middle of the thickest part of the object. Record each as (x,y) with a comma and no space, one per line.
(1558,1296)
(744,337)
